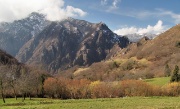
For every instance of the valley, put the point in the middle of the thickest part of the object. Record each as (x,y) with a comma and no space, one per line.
(62,54)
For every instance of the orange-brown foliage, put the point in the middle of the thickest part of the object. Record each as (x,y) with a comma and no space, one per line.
(136,88)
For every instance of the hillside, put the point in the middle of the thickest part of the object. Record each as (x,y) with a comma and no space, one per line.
(164,49)
(6,59)
(9,66)
(144,59)
(163,46)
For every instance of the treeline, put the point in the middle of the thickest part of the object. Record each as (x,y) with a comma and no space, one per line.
(21,81)
(77,89)
(18,81)
(38,84)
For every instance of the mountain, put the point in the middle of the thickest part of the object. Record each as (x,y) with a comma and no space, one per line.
(59,45)
(14,35)
(137,37)
(146,58)
(159,52)
(9,66)
(6,59)
(165,46)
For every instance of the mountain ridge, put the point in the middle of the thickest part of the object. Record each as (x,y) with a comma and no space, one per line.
(14,35)
(65,44)
(144,59)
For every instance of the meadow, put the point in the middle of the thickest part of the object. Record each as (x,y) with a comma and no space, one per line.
(161,81)
(141,102)
(105,103)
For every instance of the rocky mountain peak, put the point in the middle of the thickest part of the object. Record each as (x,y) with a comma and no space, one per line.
(69,43)
(58,45)
(14,35)
(36,16)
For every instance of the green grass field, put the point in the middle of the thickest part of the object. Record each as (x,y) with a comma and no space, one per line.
(158,81)
(109,103)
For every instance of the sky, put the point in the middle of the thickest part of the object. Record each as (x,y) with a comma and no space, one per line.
(121,16)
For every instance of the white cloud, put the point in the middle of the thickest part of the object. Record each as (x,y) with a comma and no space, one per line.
(111,5)
(103,2)
(127,30)
(71,11)
(115,2)
(54,9)
(174,16)
(157,13)
(156,29)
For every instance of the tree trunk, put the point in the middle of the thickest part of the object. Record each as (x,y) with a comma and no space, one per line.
(37,92)
(3,98)
(23,97)
(2,92)
(42,92)
(15,97)
(29,96)
(14,93)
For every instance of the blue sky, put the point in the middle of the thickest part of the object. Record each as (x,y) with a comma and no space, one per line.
(122,16)
(118,14)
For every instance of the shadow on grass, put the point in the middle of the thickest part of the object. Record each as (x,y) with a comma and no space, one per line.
(14,104)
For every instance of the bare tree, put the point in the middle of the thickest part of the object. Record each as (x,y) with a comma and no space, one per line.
(31,82)
(13,77)
(3,80)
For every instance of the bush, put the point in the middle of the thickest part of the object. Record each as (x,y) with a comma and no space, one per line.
(172,89)
(178,44)
(136,88)
(78,89)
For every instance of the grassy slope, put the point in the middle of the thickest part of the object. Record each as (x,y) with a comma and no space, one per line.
(116,103)
(158,81)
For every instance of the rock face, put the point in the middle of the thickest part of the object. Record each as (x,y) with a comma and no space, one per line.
(59,45)
(68,43)
(6,59)
(14,35)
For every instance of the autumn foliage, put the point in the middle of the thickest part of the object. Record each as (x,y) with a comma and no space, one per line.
(78,89)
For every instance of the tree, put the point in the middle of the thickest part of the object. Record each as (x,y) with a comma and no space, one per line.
(175,76)
(27,83)
(12,84)
(38,77)
(13,77)
(3,81)
(51,86)
(167,71)
(23,84)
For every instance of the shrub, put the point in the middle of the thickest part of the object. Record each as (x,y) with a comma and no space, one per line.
(136,88)
(175,76)
(172,89)
(178,44)
(167,71)
(50,87)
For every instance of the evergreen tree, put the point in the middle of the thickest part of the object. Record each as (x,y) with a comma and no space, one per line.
(167,71)
(175,76)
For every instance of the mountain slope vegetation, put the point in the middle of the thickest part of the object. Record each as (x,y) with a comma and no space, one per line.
(144,59)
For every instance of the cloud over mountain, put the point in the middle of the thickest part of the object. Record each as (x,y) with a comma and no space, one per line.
(11,10)
(156,29)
